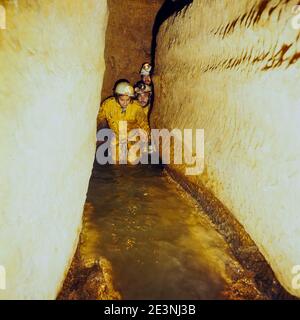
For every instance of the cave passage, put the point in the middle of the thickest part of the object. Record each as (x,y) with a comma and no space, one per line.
(221,221)
(156,238)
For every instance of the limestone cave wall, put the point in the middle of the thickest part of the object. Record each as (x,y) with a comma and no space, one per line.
(232,68)
(52,66)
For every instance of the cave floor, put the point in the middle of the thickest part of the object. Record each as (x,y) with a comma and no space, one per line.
(156,240)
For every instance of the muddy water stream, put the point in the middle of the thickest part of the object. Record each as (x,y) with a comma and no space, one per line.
(157,239)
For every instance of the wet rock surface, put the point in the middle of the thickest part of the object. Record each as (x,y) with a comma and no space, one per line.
(88,281)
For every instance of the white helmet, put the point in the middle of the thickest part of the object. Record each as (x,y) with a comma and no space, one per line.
(124,89)
(146,69)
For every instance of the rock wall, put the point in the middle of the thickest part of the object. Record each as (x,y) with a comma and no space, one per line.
(52,65)
(128,40)
(233,69)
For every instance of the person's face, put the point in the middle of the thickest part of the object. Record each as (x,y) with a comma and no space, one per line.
(147,80)
(143,99)
(124,101)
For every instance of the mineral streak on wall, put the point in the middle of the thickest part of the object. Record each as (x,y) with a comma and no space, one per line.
(233,68)
(52,65)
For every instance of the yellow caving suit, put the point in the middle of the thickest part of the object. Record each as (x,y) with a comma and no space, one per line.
(146,110)
(111,111)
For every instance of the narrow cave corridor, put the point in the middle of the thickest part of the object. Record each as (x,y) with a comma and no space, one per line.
(143,234)
(219,220)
